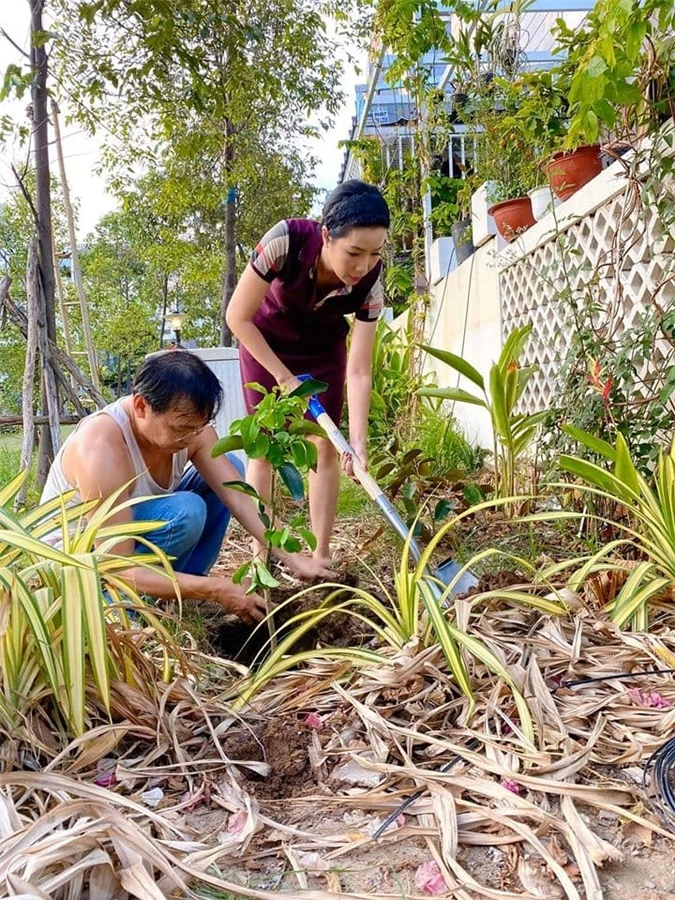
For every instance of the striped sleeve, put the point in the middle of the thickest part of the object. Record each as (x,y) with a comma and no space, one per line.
(271,253)
(373,304)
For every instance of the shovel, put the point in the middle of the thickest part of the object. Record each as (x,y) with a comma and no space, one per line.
(448,569)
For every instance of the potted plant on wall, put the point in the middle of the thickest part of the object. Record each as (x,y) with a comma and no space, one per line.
(505,157)
(544,113)
(449,212)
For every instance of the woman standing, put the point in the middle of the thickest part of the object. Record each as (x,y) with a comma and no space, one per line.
(288,311)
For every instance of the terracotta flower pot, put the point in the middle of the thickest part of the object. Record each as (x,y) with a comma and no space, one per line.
(512,217)
(567,172)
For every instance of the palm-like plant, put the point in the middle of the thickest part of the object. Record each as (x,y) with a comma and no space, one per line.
(513,432)
(58,606)
(648,533)
(417,608)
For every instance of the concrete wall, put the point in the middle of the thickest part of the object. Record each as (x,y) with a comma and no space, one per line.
(465,318)
(224,363)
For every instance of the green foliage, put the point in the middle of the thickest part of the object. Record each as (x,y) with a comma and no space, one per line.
(607,380)
(514,432)
(414,609)
(505,153)
(620,62)
(198,97)
(277,432)
(55,646)
(647,531)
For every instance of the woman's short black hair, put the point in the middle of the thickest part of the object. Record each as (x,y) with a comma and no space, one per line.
(354,204)
(168,378)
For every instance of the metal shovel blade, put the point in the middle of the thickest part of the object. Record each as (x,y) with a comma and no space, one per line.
(449,569)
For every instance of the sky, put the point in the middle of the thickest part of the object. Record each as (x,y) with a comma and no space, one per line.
(81,151)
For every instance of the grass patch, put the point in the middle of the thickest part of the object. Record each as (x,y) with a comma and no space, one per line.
(440,439)
(353,499)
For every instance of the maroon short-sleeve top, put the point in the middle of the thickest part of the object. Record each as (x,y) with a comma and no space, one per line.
(290,317)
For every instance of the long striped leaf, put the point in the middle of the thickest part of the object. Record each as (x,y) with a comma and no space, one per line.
(73,598)
(97,645)
(445,636)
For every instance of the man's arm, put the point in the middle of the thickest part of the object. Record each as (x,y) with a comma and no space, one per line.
(102,469)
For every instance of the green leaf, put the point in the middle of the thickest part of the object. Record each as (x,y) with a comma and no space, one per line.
(243,487)
(472,494)
(500,419)
(309,538)
(227,445)
(304,426)
(450,393)
(624,469)
(308,388)
(591,442)
(241,573)
(299,453)
(259,448)
(293,481)
(596,66)
(443,509)
(263,576)
(456,362)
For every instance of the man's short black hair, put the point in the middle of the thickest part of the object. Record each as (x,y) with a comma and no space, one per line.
(169,378)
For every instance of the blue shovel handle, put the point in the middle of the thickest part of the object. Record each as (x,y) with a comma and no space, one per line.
(314,404)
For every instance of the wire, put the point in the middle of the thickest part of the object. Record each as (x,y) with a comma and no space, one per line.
(473,744)
(590,679)
(662,761)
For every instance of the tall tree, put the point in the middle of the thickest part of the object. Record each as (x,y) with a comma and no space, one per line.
(235,81)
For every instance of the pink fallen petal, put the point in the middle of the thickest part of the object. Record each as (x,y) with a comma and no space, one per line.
(429,879)
(511,785)
(105,779)
(314,721)
(105,772)
(651,699)
(237,822)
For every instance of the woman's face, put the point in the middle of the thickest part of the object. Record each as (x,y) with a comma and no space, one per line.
(354,254)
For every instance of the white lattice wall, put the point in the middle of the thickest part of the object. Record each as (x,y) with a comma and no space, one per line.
(623,244)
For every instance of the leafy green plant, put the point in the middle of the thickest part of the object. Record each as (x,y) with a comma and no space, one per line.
(620,54)
(513,432)
(277,432)
(416,608)
(645,550)
(61,611)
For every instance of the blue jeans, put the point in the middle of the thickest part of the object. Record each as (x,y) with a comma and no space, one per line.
(195,521)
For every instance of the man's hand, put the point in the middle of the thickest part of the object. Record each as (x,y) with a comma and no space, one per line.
(306,568)
(233,598)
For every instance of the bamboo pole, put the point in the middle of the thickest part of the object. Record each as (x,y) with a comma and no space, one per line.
(27,417)
(77,272)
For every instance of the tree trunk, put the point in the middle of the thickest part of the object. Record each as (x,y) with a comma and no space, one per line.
(165,306)
(230,274)
(43,204)
(28,413)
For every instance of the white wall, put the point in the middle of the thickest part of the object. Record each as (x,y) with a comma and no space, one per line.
(224,363)
(464,317)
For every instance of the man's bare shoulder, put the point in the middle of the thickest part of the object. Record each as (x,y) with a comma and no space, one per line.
(97,454)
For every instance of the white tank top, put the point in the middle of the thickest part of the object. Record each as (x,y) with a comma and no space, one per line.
(144,484)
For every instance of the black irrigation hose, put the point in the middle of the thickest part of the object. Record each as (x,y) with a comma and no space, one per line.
(471,745)
(662,761)
(590,679)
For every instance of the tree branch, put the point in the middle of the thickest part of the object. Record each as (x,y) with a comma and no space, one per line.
(14,44)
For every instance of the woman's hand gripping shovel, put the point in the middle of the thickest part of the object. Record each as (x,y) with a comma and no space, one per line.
(449,569)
